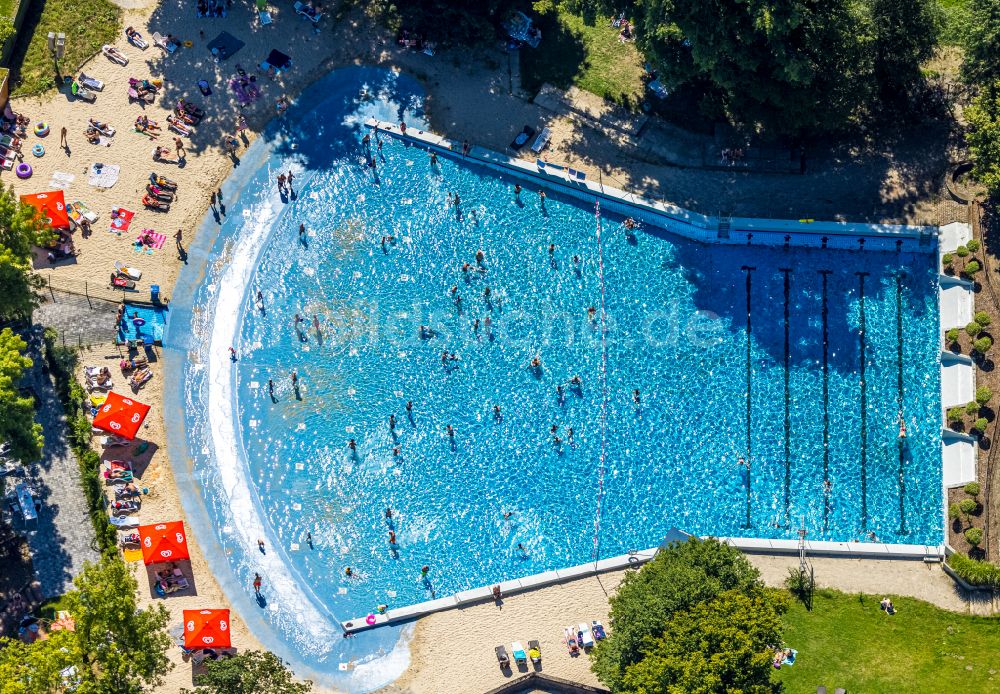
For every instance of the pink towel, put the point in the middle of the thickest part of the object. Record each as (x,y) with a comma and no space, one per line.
(157,239)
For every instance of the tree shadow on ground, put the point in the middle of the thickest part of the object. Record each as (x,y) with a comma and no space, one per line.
(558,60)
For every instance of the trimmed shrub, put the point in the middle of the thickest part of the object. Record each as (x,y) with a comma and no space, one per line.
(952,335)
(971,268)
(973,572)
(947,259)
(983,318)
(973,245)
(982,345)
(968,506)
(980,425)
(956,414)
(974,536)
(962,251)
(973,329)
(972,489)
(972,408)
(954,512)
(983,395)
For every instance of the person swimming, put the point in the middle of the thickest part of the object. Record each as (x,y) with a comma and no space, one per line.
(496,413)
(451,431)
(480,257)
(475,326)
(392,537)
(487,293)
(352,444)
(517,189)
(434,158)
(636,397)
(536,362)
(591,313)
(392,421)
(902,426)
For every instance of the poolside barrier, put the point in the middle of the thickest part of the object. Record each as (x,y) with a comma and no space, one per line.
(675,219)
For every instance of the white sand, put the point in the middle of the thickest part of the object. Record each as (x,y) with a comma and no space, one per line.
(468,97)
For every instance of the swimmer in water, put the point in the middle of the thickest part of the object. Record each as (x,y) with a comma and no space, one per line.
(536,362)
(466,267)
(576,380)
(480,257)
(475,326)
(352,444)
(552,249)
(396,452)
(260,297)
(559,392)
(302,231)
(348,572)
(454,288)
(507,515)
(392,537)
(295,380)
(392,421)
(591,313)
(451,431)
(496,413)
(553,429)
(434,158)
(902,426)
(630,223)
(409,407)
(444,357)
(517,190)
(388,514)
(486,293)
(636,397)
(541,196)
(569,435)
(316,322)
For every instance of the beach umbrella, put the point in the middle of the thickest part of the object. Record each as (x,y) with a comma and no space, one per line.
(163,542)
(52,207)
(121,415)
(206,629)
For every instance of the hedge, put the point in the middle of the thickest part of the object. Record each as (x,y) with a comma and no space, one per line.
(62,365)
(973,572)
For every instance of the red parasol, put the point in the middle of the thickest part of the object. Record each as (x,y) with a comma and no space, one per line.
(206,629)
(52,206)
(163,542)
(120,415)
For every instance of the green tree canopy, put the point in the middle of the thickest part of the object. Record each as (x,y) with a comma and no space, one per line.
(452,21)
(983,116)
(982,56)
(20,229)
(906,32)
(724,645)
(123,647)
(677,579)
(116,648)
(18,428)
(250,672)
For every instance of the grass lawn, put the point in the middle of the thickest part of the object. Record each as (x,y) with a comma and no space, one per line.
(847,641)
(590,57)
(7,8)
(88,24)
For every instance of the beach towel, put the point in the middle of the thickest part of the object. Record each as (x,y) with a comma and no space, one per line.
(103,175)
(224,46)
(61,180)
(120,219)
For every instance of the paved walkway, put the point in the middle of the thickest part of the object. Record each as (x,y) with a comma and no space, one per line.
(79,320)
(64,538)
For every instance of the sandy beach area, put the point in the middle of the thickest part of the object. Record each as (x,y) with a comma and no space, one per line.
(466,99)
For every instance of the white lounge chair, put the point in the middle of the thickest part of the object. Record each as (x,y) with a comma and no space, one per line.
(584,636)
(114,54)
(161,41)
(519,655)
(130,272)
(541,141)
(300,8)
(90,82)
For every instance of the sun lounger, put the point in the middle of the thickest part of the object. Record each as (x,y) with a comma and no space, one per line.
(114,54)
(130,272)
(569,638)
(584,636)
(821,690)
(300,8)
(111,441)
(598,629)
(90,82)
(502,657)
(125,521)
(519,655)
(136,40)
(542,141)
(534,651)
(522,138)
(140,378)
(840,690)
(161,41)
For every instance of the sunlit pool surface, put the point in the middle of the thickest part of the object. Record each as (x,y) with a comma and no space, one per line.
(142,321)
(724,345)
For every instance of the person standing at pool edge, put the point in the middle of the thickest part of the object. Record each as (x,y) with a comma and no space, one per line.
(256,583)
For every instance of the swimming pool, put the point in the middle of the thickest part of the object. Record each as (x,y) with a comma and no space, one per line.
(152,322)
(725,346)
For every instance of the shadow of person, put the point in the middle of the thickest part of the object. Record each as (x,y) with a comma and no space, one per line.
(261,600)
(284,196)
(222,209)
(215,214)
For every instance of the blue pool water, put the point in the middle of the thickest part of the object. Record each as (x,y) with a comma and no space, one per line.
(153,323)
(671,320)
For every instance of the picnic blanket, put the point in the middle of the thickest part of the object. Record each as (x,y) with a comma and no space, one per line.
(278,60)
(153,241)
(103,175)
(244,94)
(120,219)
(224,45)
(61,180)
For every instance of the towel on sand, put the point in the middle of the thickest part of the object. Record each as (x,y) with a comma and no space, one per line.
(121,219)
(103,175)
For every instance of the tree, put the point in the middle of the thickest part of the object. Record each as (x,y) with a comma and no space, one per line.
(676,580)
(723,645)
(451,21)
(982,59)
(906,32)
(983,116)
(20,229)
(122,647)
(250,672)
(790,66)
(116,648)
(18,428)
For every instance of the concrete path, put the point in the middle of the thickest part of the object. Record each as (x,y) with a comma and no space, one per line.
(64,537)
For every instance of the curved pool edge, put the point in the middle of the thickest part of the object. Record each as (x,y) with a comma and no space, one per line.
(210,241)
